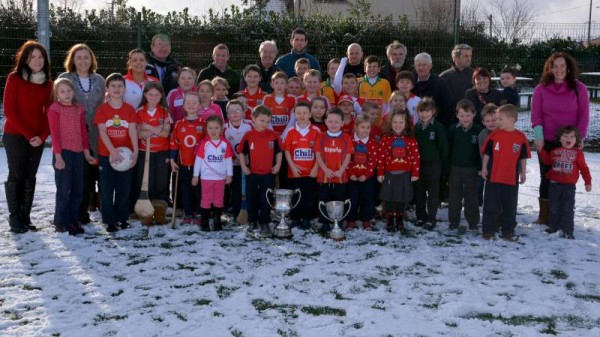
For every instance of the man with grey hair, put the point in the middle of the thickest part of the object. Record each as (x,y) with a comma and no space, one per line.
(431,85)
(396,62)
(460,76)
(268,53)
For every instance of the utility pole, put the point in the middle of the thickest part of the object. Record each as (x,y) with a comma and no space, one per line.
(43,25)
(491,22)
(590,26)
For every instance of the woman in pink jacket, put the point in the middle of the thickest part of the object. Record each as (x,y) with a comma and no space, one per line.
(559,100)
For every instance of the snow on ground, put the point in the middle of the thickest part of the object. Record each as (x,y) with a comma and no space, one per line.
(187,283)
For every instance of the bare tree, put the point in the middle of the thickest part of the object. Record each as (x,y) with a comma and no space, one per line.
(435,15)
(74,5)
(511,19)
(472,13)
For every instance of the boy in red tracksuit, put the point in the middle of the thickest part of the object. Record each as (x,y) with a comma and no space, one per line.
(185,137)
(361,172)
(504,166)
(260,158)
(333,151)
(299,146)
(566,162)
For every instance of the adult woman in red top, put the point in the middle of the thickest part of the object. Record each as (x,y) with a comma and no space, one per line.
(136,77)
(80,68)
(559,100)
(27,95)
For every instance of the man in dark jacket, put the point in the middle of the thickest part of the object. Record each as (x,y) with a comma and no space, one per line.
(460,76)
(397,62)
(268,54)
(161,64)
(219,67)
(431,85)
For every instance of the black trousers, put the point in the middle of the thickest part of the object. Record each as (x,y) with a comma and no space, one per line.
(256,190)
(500,202)
(544,182)
(190,195)
(463,185)
(428,191)
(90,177)
(23,163)
(305,208)
(233,191)
(562,206)
(361,198)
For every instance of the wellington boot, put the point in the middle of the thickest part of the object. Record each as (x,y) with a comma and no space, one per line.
(160,211)
(147,220)
(544,212)
(217,224)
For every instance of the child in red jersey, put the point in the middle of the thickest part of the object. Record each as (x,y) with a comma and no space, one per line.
(504,166)
(566,162)
(235,129)
(347,106)
(280,103)
(253,92)
(208,108)
(295,87)
(117,126)
(333,151)
(326,87)
(370,110)
(185,137)
(154,122)
(361,171)
(318,107)
(214,162)
(398,167)
(299,146)
(70,147)
(260,158)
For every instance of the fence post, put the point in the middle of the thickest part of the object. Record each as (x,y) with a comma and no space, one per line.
(456,21)
(138,22)
(43,26)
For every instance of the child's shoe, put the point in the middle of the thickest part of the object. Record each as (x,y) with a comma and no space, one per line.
(429,226)
(551,230)
(453,225)
(400,223)
(568,236)
(350,225)
(217,224)
(123,225)
(366,225)
(147,220)
(111,228)
(510,237)
(160,211)
(488,236)
(391,222)
(197,221)
(305,224)
(187,220)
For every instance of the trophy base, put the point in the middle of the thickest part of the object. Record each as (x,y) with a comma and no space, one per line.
(337,234)
(282,233)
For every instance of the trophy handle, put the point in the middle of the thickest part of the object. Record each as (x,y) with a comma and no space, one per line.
(299,197)
(321,211)
(267,196)
(349,207)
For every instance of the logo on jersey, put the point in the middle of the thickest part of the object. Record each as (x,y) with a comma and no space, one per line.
(304,155)
(280,119)
(211,158)
(332,150)
(516,148)
(199,129)
(271,145)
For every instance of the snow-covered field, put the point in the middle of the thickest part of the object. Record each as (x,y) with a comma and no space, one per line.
(187,283)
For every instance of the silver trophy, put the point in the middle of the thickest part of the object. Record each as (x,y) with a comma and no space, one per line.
(283,206)
(335,213)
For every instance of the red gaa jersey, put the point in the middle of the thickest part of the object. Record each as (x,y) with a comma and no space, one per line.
(155,119)
(506,149)
(333,151)
(185,138)
(117,122)
(301,146)
(281,108)
(260,148)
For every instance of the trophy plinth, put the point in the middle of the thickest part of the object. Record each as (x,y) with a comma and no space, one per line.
(334,212)
(283,206)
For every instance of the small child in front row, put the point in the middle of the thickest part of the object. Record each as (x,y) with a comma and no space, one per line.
(433,148)
(117,126)
(361,172)
(186,136)
(70,147)
(398,167)
(235,129)
(566,162)
(215,165)
(333,151)
(504,166)
(260,158)
(465,163)
(300,141)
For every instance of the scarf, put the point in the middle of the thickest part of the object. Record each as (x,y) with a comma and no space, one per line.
(37,78)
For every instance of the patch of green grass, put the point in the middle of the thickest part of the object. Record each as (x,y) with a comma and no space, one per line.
(357,326)
(288,309)
(45,272)
(289,333)
(117,293)
(373,283)
(137,261)
(379,305)
(371,255)
(182,286)
(224,291)
(108,317)
(103,263)
(570,285)
(236,333)
(119,278)
(159,319)
(12,315)
(451,324)
(169,245)
(205,282)
(30,287)
(587,297)
(218,314)
(181,266)
(520,320)
(291,271)
(559,274)
(179,315)
(338,296)
(319,311)
(201,302)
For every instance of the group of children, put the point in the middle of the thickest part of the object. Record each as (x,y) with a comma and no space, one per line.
(339,139)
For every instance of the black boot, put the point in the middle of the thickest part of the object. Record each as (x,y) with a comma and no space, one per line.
(204,213)
(391,222)
(25,212)
(14,221)
(217,225)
